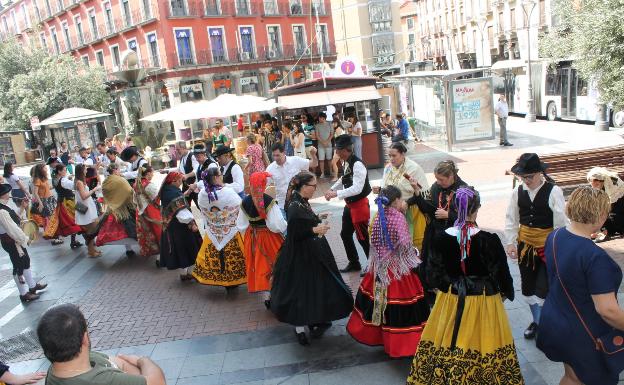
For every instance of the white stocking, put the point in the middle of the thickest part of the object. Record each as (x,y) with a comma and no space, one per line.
(29,279)
(266,295)
(21,287)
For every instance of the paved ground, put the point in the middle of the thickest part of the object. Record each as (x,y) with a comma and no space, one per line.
(200,335)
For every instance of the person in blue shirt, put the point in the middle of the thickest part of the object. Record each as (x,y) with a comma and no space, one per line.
(402,133)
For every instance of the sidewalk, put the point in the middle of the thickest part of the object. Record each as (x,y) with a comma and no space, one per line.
(200,335)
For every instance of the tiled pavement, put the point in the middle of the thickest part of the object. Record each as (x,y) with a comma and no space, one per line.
(200,335)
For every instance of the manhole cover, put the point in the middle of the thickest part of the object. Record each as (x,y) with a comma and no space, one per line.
(24,343)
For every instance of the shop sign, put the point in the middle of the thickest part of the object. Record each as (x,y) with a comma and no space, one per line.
(297,74)
(274,77)
(248,80)
(222,83)
(348,67)
(195,87)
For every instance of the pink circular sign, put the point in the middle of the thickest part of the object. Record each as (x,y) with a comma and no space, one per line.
(347,67)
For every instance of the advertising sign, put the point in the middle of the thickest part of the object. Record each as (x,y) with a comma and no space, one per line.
(472,113)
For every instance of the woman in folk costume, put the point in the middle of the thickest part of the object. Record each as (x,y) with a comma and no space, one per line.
(467,339)
(261,220)
(307,286)
(87,218)
(44,201)
(62,221)
(118,225)
(148,218)
(390,307)
(220,261)
(602,179)
(397,174)
(180,240)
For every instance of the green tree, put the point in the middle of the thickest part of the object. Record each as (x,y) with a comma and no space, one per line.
(591,33)
(33,83)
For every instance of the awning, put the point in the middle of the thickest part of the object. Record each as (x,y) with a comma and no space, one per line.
(506,64)
(325,98)
(70,115)
(441,74)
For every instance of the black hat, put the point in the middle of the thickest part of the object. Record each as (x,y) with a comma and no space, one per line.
(18,195)
(128,153)
(52,159)
(529,163)
(343,141)
(222,150)
(5,188)
(199,149)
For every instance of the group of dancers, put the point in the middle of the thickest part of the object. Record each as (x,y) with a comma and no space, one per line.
(435,282)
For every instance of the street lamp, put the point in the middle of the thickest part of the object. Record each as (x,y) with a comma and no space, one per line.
(527,7)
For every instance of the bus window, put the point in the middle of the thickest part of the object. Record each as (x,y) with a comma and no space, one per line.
(581,87)
(553,84)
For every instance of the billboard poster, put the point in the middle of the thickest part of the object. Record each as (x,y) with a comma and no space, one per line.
(472,102)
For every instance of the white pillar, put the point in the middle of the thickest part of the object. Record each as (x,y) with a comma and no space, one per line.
(264,79)
(208,86)
(235,76)
(173,89)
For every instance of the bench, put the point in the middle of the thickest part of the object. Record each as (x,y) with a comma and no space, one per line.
(569,169)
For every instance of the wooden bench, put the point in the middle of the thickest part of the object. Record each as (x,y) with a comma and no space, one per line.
(569,169)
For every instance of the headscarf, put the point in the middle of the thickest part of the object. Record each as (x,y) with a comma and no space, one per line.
(257,186)
(613,185)
(383,235)
(211,189)
(463,196)
(167,192)
(119,197)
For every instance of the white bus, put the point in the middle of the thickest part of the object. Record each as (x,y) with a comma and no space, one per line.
(559,93)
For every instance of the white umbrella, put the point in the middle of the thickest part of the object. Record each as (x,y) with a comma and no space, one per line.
(183,111)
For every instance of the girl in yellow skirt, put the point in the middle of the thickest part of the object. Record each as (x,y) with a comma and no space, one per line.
(220,261)
(467,339)
(261,220)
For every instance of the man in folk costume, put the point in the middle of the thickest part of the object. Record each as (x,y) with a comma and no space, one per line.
(204,160)
(14,242)
(232,173)
(131,155)
(260,220)
(536,207)
(356,214)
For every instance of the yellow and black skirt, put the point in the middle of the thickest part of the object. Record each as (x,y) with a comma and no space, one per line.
(225,267)
(478,351)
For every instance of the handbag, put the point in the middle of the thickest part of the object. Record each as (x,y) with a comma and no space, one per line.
(611,343)
(81,208)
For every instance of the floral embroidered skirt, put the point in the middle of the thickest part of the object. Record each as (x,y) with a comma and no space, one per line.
(261,248)
(484,354)
(149,231)
(225,267)
(62,221)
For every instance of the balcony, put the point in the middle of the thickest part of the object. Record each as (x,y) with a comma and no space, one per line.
(192,8)
(244,8)
(307,8)
(213,8)
(273,8)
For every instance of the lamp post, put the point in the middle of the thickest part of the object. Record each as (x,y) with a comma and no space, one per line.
(527,7)
(482,27)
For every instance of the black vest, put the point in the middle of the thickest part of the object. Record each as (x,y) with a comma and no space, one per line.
(252,213)
(62,192)
(188,167)
(12,213)
(227,173)
(536,214)
(138,164)
(203,167)
(347,181)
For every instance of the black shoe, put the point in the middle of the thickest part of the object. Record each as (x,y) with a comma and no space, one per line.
(75,245)
(531,331)
(267,304)
(38,287)
(352,266)
(317,330)
(302,339)
(157,262)
(130,253)
(507,144)
(29,297)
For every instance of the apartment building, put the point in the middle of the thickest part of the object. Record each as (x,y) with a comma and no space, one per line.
(191,49)
(371,32)
(411,37)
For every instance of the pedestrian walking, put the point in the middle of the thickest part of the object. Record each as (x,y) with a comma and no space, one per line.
(501,109)
(257,160)
(324,134)
(356,135)
(582,304)
(355,190)
(536,207)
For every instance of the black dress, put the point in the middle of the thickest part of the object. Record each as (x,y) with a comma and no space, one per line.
(307,286)
(615,221)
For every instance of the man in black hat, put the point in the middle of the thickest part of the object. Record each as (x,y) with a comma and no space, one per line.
(232,173)
(113,157)
(204,161)
(537,207)
(355,190)
(14,242)
(132,156)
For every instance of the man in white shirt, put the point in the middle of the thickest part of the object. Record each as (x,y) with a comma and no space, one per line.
(101,155)
(84,158)
(113,157)
(536,208)
(502,112)
(132,156)
(284,168)
(355,190)
(232,173)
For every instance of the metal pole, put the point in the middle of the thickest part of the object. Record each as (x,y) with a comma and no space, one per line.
(530,116)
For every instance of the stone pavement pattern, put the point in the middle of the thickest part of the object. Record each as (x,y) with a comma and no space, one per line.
(200,335)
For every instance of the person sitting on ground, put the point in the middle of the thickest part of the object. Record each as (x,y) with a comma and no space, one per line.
(6,377)
(64,338)
(602,179)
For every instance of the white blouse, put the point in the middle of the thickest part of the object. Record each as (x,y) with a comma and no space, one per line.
(274,220)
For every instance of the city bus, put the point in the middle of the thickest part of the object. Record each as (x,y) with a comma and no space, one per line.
(558,91)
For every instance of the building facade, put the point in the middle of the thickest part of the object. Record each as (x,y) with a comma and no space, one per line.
(370,31)
(473,33)
(411,33)
(190,49)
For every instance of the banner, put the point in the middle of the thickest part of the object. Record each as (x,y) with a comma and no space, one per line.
(472,109)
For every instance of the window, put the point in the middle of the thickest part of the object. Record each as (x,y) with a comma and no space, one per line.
(37,11)
(78,24)
(61,5)
(44,43)
(99,57)
(93,24)
(300,39)
(270,7)
(242,7)
(108,15)
(383,49)
(152,42)
(295,7)
(249,82)
(542,10)
(147,9)
(132,45)
(25,16)
(581,87)
(66,34)
(512,16)
(501,22)
(5,24)
(247,43)
(318,7)
(114,49)
(553,83)
(217,44)
(125,6)
(14,20)
(48,8)
(322,39)
(411,39)
(379,12)
(57,48)
(178,8)
(410,23)
(275,41)
(184,45)
(213,8)
(85,60)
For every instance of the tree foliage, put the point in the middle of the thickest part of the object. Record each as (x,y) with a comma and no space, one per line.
(591,33)
(32,83)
